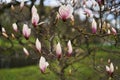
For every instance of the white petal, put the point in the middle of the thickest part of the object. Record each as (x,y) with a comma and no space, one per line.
(29,32)
(41,62)
(25,51)
(58,49)
(107,68)
(47,64)
(94,24)
(111,67)
(22,4)
(14,25)
(69,47)
(34,10)
(3,30)
(70,8)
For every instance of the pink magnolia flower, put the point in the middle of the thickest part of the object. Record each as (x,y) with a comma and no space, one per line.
(35,16)
(35,19)
(38,45)
(58,50)
(94,26)
(15,28)
(110,69)
(70,50)
(26,31)
(25,51)
(65,12)
(43,64)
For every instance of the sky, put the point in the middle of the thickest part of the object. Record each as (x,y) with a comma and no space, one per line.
(51,3)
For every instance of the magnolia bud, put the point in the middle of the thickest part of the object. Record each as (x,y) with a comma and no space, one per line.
(38,45)
(58,50)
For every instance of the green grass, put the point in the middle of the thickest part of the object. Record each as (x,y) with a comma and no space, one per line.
(33,73)
(25,73)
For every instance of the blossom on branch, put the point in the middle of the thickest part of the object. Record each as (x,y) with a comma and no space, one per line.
(113,30)
(26,31)
(65,12)
(38,45)
(58,50)
(43,64)
(15,28)
(35,16)
(110,69)
(70,50)
(94,26)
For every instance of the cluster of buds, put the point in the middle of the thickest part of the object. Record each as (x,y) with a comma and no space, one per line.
(59,49)
(42,63)
(37,46)
(109,29)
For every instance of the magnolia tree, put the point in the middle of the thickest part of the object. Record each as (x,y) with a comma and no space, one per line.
(70,25)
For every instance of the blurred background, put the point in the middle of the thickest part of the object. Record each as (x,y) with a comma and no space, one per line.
(15,65)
